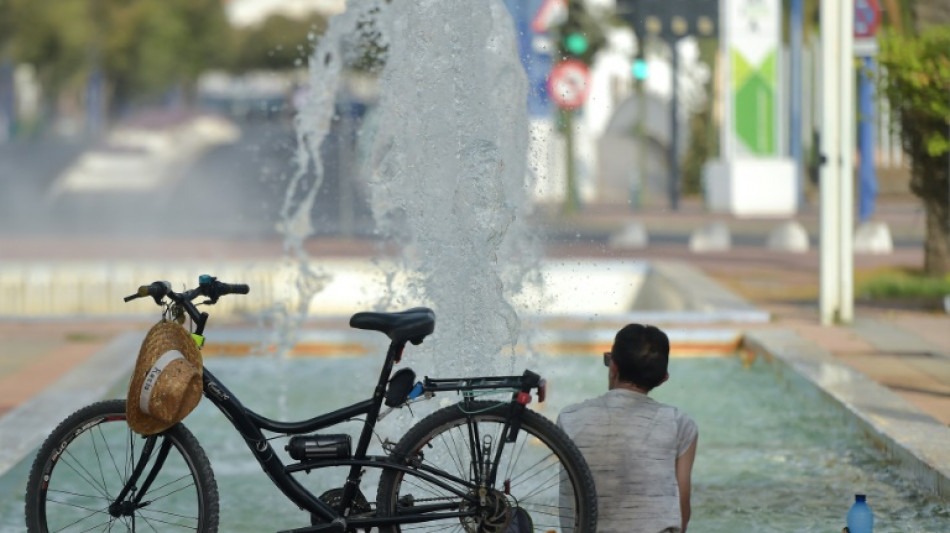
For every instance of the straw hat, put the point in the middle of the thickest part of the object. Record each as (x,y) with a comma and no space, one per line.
(166,383)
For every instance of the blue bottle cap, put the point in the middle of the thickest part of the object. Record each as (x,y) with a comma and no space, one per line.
(859,497)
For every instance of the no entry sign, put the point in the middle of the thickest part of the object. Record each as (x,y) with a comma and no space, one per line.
(867,18)
(569,83)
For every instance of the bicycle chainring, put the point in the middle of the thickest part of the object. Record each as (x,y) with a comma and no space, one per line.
(334,497)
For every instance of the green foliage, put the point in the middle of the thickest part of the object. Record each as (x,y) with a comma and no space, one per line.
(56,36)
(918,82)
(903,284)
(154,45)
(142,46)
(279,43)
(703,132)
(368,53)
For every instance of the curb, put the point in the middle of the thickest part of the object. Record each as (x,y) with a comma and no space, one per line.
(913,439)
(26,426)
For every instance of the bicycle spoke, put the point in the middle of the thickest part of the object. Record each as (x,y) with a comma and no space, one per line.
(457,456)
(149,521)
(163,496)
(68,459)
(514,458)
(111,456)
(68,493)
(95,448)
(143,511)
(84,508)
(546,485)
(97,526)
(90,515)
(520,477)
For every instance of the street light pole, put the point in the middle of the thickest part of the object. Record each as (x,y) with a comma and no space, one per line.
(674,130)
(795,103)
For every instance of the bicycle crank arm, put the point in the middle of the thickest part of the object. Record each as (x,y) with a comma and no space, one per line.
(337,526)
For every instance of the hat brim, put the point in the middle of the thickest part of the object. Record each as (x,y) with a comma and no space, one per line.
(161,338)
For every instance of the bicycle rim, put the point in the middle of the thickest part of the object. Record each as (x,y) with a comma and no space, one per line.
(534,488)
(88,466)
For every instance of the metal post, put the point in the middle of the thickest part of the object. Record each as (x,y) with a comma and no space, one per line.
(829,294)
(571,200)
(846,182)
(867,173)
(639,198)
(674,131)
(795,100)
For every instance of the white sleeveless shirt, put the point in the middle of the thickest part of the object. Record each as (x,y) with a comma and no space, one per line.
(631,443)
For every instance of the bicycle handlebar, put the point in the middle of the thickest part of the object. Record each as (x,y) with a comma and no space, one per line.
(208,286)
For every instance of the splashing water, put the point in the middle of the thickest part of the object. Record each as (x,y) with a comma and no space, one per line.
(312,124)
(446,170)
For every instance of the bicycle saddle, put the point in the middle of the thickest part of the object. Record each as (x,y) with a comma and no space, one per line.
(410,325)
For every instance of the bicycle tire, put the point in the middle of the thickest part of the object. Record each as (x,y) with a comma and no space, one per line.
(530,484)
(84,463)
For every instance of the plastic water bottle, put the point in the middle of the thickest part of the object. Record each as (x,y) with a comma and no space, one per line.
(860,518)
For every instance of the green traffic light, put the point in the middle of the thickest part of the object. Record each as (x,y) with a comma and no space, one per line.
(576,43)
(640,69)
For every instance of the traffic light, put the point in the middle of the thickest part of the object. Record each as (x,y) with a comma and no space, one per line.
(640,69)
(575,43)
(580,36)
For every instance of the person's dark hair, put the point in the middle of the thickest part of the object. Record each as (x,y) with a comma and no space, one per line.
(641,354)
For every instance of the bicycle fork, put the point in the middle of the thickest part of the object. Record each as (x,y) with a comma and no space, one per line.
(486,455)
(123,507)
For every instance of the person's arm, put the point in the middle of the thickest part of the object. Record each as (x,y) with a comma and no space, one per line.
(684,470)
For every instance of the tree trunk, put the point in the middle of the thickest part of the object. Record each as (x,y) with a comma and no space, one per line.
(937,239)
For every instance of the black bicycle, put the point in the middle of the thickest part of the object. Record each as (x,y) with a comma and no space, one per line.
(475,466)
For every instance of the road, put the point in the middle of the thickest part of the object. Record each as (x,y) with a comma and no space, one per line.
(234,190)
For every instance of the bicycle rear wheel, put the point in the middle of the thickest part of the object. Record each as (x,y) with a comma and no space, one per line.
(543,483)
(85,462)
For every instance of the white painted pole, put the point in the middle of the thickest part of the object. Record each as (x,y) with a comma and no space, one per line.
(829,175)
(847,124)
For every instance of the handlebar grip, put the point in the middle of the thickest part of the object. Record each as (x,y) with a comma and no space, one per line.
(212,288)
(156,290)
(235,288)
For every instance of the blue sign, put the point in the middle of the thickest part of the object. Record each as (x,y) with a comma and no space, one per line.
(537,63)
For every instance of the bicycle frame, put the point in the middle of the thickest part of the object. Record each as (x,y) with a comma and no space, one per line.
(251,425)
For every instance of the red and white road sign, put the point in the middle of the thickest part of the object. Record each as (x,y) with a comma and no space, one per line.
(551,13)
(569,83)
(867,18)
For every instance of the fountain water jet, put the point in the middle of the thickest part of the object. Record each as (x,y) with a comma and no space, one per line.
(447,170)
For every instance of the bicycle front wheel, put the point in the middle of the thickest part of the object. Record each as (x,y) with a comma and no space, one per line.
(542,482)
(86,461)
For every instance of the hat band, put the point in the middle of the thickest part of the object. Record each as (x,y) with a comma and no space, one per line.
(152,377)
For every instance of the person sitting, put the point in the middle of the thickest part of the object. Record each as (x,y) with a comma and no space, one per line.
(640,451)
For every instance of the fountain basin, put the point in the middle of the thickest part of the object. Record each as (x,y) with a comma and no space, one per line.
(616,290)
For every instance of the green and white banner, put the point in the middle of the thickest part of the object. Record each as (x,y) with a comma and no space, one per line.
(752,40)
